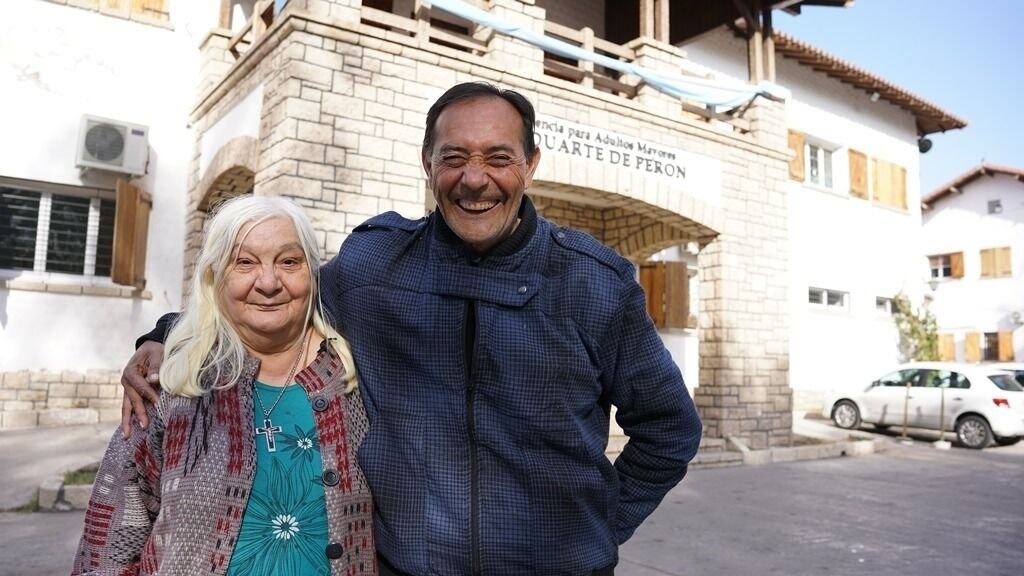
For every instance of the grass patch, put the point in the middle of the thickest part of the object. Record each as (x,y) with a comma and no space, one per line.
(799,440)
(79,477)
(28,508)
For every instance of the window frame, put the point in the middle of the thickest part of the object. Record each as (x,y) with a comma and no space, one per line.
(824,303)
(948,265)
(822,148)
(990,352)
(47,190)
(888,308)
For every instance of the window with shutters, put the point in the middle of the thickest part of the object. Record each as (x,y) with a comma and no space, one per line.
(947,265)
(811,162)
(45,230)
(995,263)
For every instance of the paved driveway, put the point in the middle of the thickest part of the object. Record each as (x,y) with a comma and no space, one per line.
(908,511)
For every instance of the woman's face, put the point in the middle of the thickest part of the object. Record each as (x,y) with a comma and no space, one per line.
(267,286)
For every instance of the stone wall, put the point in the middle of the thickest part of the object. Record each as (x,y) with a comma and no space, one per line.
(45,398)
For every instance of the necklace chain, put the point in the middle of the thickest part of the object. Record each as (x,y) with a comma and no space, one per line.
(287,383)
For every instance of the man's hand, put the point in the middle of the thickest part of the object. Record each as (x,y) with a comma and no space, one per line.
(141,382)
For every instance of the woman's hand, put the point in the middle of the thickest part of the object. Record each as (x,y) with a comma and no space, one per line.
(141,382)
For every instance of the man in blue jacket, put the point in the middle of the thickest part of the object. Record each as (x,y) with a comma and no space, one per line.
(490,345)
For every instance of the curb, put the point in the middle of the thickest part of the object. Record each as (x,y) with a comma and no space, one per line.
(56,496)
(809,452)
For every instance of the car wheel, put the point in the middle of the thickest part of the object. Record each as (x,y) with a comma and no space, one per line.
(1007,440)
(973,432)
(846,415)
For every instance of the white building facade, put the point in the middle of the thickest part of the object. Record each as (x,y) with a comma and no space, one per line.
(764,235)
(974,240)
(65,325)
(854,209)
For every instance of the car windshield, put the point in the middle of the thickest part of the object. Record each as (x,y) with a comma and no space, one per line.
(1006,382)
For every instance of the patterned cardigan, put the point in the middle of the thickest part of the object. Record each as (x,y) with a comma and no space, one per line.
(170,499)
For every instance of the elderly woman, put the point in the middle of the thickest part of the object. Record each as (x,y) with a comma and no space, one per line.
(248,465)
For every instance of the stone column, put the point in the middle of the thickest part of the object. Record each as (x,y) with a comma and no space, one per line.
(744,346)
(214,59)
(510,53)
(345,10)
(658,57)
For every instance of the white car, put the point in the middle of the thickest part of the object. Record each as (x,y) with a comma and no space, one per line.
(982,403)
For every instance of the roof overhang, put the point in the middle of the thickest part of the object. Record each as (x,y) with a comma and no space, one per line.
(956,185)
(691,19)
(928,116)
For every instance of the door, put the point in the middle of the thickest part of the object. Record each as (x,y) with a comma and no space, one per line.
(883,402)
(934,392)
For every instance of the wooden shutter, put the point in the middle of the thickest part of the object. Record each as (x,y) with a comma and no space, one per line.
(947,348)
(899,186)
(796,163)
(652,279)
(956,264)
(1002,262)
(881,182)
(131,229)
(972,347)
(677,295)
(858,174)
(152,9)
(988,263)
(1006,347)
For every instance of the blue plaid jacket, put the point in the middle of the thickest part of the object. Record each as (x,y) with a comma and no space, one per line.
(488,384)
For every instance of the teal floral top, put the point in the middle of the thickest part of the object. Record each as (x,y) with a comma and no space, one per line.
(284,528)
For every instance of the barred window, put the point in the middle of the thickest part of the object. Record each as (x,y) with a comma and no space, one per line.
(47,231)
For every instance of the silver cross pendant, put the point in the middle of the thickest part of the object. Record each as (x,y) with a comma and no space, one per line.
(268,430)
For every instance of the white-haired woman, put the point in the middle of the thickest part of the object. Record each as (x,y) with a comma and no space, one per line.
(248,465)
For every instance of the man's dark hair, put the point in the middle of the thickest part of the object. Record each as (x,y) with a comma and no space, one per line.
(469,90)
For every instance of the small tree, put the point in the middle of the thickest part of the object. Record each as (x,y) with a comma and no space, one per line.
(919,333)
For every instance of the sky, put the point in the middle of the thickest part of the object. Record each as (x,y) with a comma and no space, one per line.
(966,56)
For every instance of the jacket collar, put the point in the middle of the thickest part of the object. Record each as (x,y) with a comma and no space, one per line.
(519,238)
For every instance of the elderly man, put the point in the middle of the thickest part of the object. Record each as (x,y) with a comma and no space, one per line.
(491,344)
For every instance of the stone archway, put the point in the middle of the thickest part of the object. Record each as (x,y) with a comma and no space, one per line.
(633,228)
(230,173)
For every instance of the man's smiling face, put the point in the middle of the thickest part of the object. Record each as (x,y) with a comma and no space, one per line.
(478,170)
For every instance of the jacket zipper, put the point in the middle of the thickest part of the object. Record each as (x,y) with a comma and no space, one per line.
(474,481)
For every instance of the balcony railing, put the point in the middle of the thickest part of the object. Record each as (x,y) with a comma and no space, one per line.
(584,72)
(436,27)
(257,25)
(429,28)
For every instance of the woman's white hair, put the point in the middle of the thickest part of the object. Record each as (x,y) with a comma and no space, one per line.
(203,350)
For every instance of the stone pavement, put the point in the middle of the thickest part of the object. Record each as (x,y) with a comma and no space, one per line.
(909,511)
(27,457)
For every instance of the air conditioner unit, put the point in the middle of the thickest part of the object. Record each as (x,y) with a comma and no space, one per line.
(112,145)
